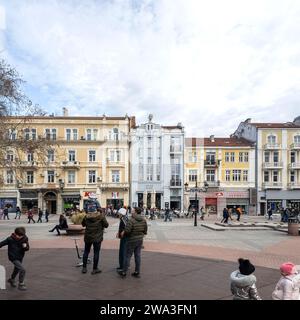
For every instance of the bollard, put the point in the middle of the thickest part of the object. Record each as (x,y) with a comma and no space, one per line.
(2,278)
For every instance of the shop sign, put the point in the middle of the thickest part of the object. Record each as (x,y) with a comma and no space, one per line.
(115,195)
(91,195)
(219,194)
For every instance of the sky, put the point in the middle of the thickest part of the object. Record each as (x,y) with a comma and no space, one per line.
(206,64)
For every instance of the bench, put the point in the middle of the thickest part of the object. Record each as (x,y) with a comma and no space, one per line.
(75,229)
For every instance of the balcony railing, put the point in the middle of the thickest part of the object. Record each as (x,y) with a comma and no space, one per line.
(273,165)
(294,165)
(29,164)
(212,184)
(272,185)
(295,145)
(294,185)
(175,183)
(114,185)
(70,164)
(174,149)
(272,146)
(113,163)
(211,163)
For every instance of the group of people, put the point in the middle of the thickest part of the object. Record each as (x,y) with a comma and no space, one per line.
(227,214)
(4,213)
(284,213)
(243,282)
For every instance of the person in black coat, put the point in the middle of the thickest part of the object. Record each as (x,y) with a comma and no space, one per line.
(5,213)
(225,216)
(17,246)
(123,239)
(40,216)
(63,225)
(47,215)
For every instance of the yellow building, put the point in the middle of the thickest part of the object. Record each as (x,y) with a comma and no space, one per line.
(90,155)
(224,169)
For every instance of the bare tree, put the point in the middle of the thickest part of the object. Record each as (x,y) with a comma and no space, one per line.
(17,137)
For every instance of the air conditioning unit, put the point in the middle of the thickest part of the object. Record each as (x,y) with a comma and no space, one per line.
(42,175)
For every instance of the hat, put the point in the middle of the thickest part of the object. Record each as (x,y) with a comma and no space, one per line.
(246,267)
(288,268)
(122,211)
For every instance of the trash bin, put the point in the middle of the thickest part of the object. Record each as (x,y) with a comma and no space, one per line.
(293,226)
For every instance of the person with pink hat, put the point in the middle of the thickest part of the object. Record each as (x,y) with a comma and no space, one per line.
(288,287)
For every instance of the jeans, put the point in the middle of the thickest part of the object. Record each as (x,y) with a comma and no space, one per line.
(168,216)
(57,228)
(47,220)
(87,249)
(122,252)
(238,216)
(7,217)
(18,269)
(134,247)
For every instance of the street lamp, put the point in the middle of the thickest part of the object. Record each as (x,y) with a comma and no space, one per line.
(61,184)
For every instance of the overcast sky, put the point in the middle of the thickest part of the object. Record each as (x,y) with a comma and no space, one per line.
(206,64)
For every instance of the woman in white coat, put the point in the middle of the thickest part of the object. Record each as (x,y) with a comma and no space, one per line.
(288,287)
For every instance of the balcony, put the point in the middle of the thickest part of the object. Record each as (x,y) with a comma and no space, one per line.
(272,146)
(295,146)
(29,164)
(212,184)
(70,164)
(175,149)
(272,185)
(111,163)
(114,185)
(175,183)
(211,163)
(273,165)
(294,165)
(294,185)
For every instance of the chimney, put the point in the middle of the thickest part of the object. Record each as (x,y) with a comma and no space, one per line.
(65,112)
(212,138)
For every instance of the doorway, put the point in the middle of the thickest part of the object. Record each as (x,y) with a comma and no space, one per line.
(51,202)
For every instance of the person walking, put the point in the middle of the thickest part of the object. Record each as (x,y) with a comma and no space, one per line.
(5,213)
(225,216)
(30,216)
(243,282)
(167,215)
(17,244)
(135,230)
(47,215)
(288,287)
(40,215)
(62,225)
(239,213)
(270,212)
(202,212)
(123,239)
(95,223)
(18,213)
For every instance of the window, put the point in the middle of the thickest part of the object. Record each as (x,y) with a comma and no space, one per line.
(92,155)
(71,176)
(30,157)
(231,156)
(50,134)
(72,156)
(30,134)
(118,155)
(292,176)
(193,156)
(75,134)
(267,156)
(210,175)
(275,176)
(141,172)
(158,172)
(236,175)
(29,177)
(266,176)
(246,156)
(68,134)
(227,157)
(12,134)
(9,177)
(115,176)
(51,176)
(10,156)
(50,155)
(115,155)
(243,156)
(89,134)
(297,138)
(95,134)
(92,176)
(149,172)
(293,156)
(193,175)
(211,157)
(245,175)
(115,134)
(275,156)
(271,139)
(227,175)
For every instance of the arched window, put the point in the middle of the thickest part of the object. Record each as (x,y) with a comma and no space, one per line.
(297,138)
(271,139)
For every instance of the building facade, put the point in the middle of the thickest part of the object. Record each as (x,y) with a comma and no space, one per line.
(277,157)
(224,169)
(89,156)
(157,166)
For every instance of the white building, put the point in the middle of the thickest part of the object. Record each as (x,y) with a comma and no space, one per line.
(157,165)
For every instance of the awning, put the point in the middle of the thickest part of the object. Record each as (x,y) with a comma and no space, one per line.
(28,195)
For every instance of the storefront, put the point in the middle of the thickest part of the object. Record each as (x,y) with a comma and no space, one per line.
(29,200)
(71,201)
(293,204)
(211,205)
(235,203)
(10,203)
(115,201)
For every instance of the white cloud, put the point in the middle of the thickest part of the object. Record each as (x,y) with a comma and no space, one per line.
(207,64)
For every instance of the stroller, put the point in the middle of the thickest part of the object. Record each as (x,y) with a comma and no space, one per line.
(79,264)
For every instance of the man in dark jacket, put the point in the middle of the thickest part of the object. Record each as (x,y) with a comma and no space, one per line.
(40,212)
(17,245)
(95,222)
(135,230)
(5,213)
